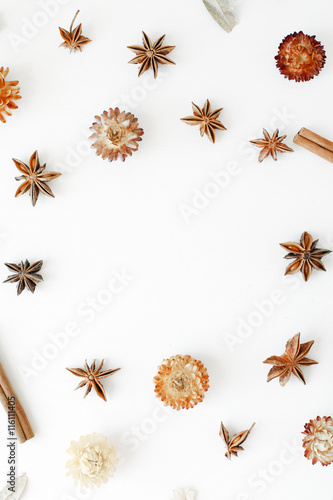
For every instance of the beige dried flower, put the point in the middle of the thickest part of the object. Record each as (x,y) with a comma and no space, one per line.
(93,460)
(181,382)
(9,92)
(318,440)
(116,134)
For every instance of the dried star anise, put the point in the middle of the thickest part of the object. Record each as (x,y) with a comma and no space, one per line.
(91,377)
(233,444)
(25,275)
(271,145)
(151,55)
(34,178)
(287,364)
(73,38)
(206,119)
(306,255)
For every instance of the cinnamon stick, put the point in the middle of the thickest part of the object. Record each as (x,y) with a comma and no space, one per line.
(315,143)
(22,426)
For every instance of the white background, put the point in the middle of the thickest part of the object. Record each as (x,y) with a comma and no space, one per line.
(193,282)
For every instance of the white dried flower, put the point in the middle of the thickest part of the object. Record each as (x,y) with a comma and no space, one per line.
(318,440)
(93,460)
(185,494)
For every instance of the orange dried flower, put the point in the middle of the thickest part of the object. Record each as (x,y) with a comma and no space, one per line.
(9,92)
(116,134)
(181,382)
(300,57)
(318,440)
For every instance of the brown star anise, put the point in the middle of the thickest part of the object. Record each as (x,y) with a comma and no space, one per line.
(306,255)
(288,363)
(233,445)
(73,38)
(151,55)
(91,377)
(25,275)
(34,178)
(206,119)
(271,145)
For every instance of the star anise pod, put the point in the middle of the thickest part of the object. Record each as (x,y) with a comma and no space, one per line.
(25,275)
(206,119)
(287,364)
(271,145)
(34,178)
(151,55)
(91,377)
(73,38)
(233,445)
(306,255)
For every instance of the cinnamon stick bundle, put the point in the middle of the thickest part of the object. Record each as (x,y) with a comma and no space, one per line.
(315,143)
(22,426)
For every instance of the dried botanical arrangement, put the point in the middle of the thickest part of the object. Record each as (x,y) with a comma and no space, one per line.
(300,57)
(73,39)
(306,254)
(223,12)
(35,178)
(315,143)
(116,134)
(185,494)
(181,382)
(150,55)
(233,445)
(26,275)
(23,429)
(92,377)
(93,460)
(9,92)
(20,484)
(271,145)
(290,361)
(318,440)
(206,119)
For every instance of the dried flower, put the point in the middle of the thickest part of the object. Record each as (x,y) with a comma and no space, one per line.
(25,275)
(206,119)
(151,55)
(271,145)
(185,494)
(288,363)
(306,254)
(73,39)
(9,92)
(116,134)
(300,57)
(318,440)
(233,445)
(181,382)
(93,460)
(92,376)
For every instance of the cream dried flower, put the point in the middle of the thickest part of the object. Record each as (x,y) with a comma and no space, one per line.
(116,134)
(9,92)
(181,382)
(185,494)
(93,461)
(318,440)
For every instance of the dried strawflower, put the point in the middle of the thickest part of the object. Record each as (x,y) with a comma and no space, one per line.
(9,92)
(233,445)
(306,254)
(26,275)
(92,377)
(34,178)
(288,363)
(271,145)
(185,494)
(300,57)
(151,55)
(116,134)
(318,440)
(181,382)
(206,119)
(93,460)
(73,38)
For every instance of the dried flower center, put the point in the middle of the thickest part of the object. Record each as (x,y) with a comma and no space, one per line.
(117,134)
(181,382)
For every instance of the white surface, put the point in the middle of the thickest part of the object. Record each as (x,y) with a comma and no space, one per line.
(192,283)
